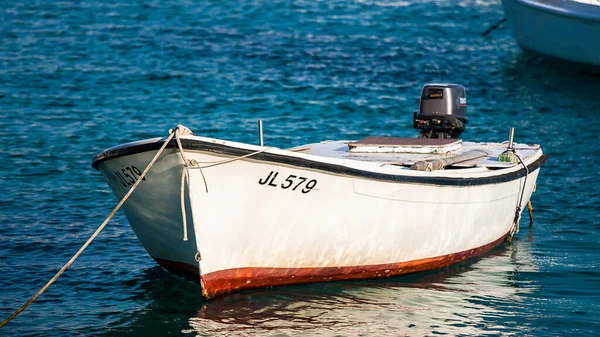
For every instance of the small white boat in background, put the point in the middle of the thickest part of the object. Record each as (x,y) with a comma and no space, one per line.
(564,29)
(379,207)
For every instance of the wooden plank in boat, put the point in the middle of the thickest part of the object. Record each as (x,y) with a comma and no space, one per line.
(405,145)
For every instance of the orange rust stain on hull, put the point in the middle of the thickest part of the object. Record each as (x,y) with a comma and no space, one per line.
(224,282)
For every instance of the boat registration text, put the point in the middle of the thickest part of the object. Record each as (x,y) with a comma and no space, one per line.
(292,182)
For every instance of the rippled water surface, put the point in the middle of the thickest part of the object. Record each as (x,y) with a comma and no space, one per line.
(77,77)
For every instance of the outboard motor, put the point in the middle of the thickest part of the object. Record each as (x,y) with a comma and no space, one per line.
(442,112)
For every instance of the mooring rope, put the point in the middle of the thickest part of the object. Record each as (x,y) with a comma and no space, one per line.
(178,131)
(86,244)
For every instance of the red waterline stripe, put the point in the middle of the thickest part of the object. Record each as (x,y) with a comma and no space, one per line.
(224,282)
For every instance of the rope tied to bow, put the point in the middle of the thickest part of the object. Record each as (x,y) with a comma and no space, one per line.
(177,132)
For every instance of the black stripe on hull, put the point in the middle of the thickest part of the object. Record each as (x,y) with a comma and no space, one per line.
(196,145)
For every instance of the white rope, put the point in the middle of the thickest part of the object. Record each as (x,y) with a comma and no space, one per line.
(86,244)
(181,130)
(229,160)
(184,175)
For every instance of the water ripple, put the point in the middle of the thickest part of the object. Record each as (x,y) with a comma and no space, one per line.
(78,77)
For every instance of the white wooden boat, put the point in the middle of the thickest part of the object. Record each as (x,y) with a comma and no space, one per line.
(258,216)
(564,29)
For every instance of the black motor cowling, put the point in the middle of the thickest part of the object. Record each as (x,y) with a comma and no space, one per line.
(442,112)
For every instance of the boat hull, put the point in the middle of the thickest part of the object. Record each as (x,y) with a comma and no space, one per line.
(258,222)
(227,281)
(561,29)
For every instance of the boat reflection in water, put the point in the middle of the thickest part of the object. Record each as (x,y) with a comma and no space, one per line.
(485,296)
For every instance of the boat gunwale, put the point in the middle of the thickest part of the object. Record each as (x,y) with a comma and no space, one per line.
(569,9)
(298,160)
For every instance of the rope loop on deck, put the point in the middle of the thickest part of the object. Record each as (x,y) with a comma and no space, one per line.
(98,230)
(188,164)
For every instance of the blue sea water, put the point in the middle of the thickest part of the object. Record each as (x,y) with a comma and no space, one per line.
(78,77)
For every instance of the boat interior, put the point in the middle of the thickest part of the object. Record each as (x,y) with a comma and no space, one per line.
(408,151)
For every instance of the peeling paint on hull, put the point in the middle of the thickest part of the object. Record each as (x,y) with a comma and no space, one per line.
(225,282)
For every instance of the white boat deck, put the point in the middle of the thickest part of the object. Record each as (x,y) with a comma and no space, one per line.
(340,150)
(589,2)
